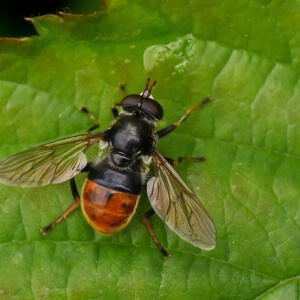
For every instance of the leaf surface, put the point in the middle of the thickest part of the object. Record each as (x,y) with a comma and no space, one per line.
(246,55)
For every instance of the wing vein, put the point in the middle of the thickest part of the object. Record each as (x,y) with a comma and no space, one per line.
(175,203)
(50,163)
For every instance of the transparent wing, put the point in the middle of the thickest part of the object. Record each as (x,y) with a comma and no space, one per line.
(48,164)
(176,204)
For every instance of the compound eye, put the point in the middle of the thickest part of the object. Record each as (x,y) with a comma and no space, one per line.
(148,105)
(153,108)
(131,100)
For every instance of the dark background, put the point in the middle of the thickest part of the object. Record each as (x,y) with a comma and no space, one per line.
(13,12)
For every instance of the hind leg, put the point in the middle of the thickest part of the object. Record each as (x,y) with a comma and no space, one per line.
(71,208)
(145,220)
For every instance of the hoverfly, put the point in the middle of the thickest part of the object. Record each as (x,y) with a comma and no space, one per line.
(114,183)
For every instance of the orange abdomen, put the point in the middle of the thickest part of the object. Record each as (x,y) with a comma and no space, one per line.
(107,210)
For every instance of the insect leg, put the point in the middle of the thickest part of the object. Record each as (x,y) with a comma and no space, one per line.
(114,110)
(122,88)
(104,5)
(114,106)
(71,208)
(174,162)
(173,126)
(92,116)
(145,217)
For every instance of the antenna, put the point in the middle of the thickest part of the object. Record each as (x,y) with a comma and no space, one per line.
(147,91)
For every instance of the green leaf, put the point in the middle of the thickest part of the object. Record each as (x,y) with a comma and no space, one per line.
(246,55)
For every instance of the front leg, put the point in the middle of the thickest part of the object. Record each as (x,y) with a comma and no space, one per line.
(114,109)
(161,133)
